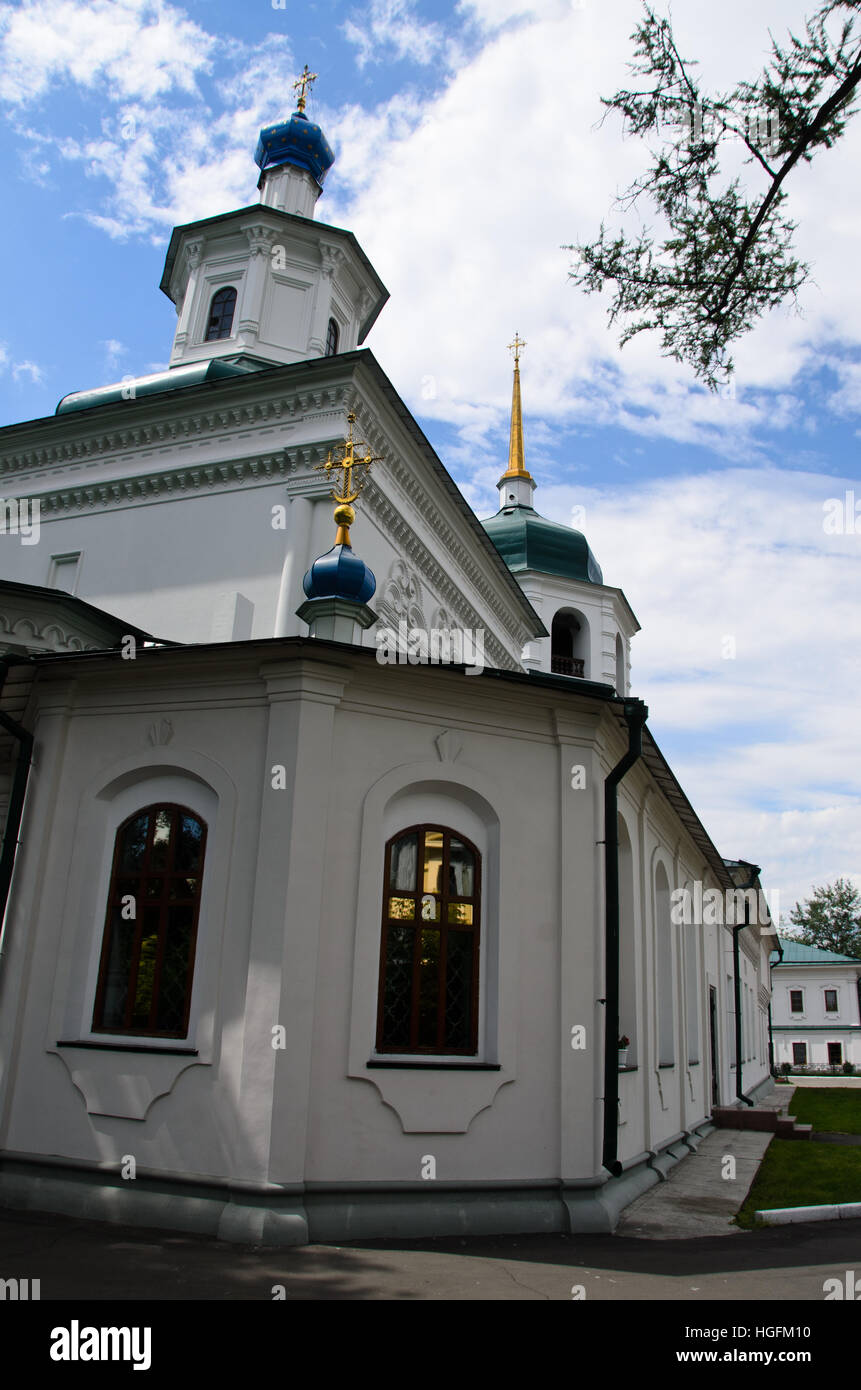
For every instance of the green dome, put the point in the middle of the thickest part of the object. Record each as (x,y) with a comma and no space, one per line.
(527,541)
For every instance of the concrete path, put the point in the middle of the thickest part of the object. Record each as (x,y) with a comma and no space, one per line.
(698,1199)
(703,1193)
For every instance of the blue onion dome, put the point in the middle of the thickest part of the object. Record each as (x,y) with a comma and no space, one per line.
(340,574)
(297,141)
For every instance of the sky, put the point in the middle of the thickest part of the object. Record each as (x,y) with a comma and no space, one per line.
(470,153)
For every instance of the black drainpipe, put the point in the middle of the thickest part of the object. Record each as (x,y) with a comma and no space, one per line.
(636,714)
(772,1068)
(16,797)
(736,966)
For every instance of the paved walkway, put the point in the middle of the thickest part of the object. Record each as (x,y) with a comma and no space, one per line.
(698,1199)
(703,1193)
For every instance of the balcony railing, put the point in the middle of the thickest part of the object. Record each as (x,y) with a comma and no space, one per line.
(567,666)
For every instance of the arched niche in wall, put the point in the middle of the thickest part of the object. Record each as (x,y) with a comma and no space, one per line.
(664,971)
(620,666)
(628,1019)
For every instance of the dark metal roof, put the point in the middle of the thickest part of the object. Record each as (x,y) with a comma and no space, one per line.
(528,541)
(171,379)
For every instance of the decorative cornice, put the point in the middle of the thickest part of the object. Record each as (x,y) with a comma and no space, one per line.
(217,477)
(50,633)
(173,429)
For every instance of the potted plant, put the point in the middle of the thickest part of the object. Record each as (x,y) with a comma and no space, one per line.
(623,1044)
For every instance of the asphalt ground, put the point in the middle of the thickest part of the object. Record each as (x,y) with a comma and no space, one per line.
(78,1260)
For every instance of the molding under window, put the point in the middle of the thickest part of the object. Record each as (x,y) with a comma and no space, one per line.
(129,1047)
(438,1066)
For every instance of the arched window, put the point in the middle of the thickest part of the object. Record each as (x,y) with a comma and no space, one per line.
(221,315)
(332,336)
(428,1000)
(569,644)
(148,950)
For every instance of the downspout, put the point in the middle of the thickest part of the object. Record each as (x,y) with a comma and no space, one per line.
(16,800)
(736,966)
(771,1066)
(636,714)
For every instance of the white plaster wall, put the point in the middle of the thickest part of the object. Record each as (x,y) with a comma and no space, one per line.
(291,922)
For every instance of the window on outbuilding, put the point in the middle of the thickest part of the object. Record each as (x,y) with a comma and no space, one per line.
(332,337)
(428,992)
(221,311)
(831,1001)
(151,928)
(796,1001)
(799,1054)
(835,1054)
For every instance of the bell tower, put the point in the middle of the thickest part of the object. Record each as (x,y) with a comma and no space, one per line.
(268,284)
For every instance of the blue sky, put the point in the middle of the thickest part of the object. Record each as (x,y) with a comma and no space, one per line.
(469,153)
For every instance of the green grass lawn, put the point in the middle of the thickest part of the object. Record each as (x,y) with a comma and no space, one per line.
(836,1109)
(800,1173)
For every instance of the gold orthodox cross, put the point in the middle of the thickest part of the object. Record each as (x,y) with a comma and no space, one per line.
(347,484)
(303,83)
(515,348)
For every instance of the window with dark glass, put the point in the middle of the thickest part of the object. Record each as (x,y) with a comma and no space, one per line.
(148,949)
(221,312)
(332,336)
(428,1000)
(799,1054)
(831,1001)
(796,1001)
(835,1054)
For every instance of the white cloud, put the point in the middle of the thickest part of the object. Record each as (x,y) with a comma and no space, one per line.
(464,210)
(757,740)
(19,369)
(390,31)
(139,48)
(114,352)
(28,369)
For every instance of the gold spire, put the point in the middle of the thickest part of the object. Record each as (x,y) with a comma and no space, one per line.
(516,466)
(303,83)
(347,487)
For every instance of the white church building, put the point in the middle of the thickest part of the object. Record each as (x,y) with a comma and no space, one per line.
(307,935)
